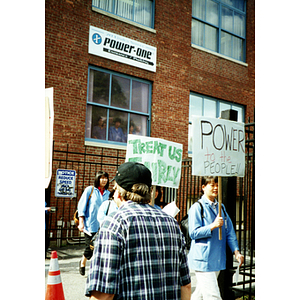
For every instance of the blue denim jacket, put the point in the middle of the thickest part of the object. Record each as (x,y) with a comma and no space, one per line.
(208,253)
(89,213)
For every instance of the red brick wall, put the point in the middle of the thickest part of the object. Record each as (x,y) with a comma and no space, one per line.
(181,69)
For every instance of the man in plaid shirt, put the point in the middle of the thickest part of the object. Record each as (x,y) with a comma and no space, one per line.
(140,250)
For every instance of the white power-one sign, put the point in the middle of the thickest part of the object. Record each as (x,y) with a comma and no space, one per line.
(116,47)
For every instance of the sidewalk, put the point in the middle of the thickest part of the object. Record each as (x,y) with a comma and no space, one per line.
(73,282)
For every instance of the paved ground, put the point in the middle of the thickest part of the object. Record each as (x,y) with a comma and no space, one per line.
(73,282)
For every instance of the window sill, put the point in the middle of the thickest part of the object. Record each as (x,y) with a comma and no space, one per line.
(122,19)
(105,145)
(220,55)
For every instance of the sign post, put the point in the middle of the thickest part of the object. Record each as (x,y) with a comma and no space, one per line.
(218,150)
(220,203)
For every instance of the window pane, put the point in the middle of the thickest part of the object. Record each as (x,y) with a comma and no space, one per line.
(212,12)
(237,48)
(227,19)
(143,12)
(240,111)
(99,87)
(223,106)
(210,108)
(120,94)
(138,125)
(103,4)
(226,44)
(124,8)
(118,122)
(190,148)
(140,96)
(239,24)
(198,9)
(99,123)
(239,4)
(195,106)
(95,125)
(211,35)
(197,33)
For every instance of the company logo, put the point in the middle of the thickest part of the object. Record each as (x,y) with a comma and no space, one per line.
(97,38)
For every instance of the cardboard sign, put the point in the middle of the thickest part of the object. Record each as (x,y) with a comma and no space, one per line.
(218,147)
(163,158)
(65,183)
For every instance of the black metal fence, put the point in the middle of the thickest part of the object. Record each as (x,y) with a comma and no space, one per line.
(62,231)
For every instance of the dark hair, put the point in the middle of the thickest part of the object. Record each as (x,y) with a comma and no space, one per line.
(205,180)
(157,199)
(97,179)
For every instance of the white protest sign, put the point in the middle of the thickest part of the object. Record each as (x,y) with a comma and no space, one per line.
(218,147)
(65,183)
(163,158)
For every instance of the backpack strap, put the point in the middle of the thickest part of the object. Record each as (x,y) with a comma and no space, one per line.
(90,197)
(108,207)
(201,209)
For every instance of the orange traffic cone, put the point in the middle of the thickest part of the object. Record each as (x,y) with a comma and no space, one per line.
(54,289)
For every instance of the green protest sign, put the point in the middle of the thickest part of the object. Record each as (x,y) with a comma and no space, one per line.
(163,158)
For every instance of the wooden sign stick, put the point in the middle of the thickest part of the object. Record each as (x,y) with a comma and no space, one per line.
(220,203)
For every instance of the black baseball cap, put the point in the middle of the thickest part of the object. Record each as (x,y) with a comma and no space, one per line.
(130,173)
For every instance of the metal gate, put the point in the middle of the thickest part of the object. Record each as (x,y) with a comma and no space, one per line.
(61,228)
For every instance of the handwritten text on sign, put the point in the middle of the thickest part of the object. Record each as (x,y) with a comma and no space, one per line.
(218,147)
(163,158)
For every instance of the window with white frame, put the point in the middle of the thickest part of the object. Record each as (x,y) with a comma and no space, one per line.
(139,11)
(210,107)
(220,26)
(117,105)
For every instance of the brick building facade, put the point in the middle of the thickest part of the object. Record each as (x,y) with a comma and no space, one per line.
(181,68)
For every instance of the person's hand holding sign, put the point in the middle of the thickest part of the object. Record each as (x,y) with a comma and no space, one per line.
(217,223)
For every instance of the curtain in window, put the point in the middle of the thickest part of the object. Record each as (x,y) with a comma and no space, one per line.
(198,9)
(211,35)
(88,121)
(103,4)
(143,12)
(197,32)
(124,8)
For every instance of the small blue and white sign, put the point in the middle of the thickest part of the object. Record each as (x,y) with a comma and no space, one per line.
(65,183)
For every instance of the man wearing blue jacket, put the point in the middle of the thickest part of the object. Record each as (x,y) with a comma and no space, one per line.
(207,255)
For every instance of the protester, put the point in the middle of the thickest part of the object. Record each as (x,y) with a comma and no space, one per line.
(106,208)
(140,250)
(207,255)
(88,206)
(157,200)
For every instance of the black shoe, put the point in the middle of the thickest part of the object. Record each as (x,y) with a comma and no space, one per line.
(81,269)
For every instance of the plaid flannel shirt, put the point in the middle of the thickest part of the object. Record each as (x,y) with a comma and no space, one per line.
(139,254)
